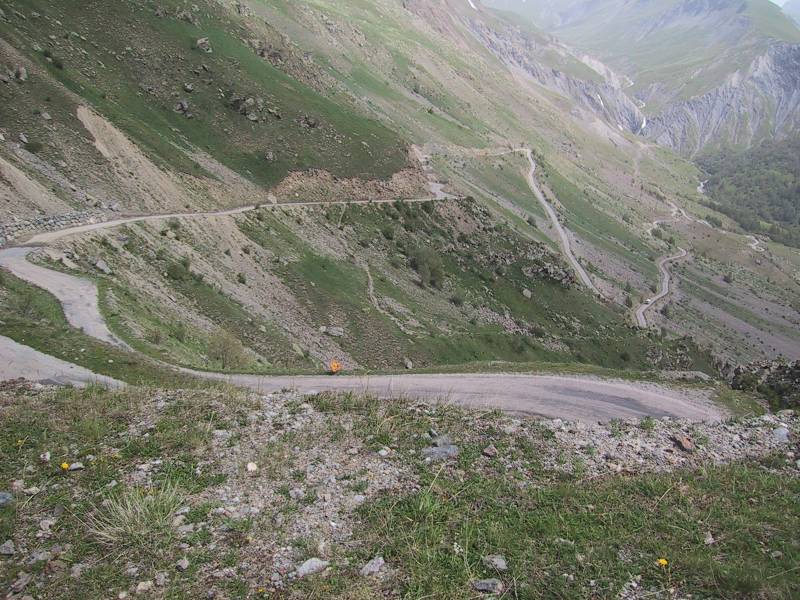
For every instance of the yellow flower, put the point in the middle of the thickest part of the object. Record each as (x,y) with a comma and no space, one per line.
(662,562)
(20,442)
(65,466)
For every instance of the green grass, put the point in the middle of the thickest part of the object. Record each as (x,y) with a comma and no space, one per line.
(33,317)
(101,520)
(588,539)
(347,144)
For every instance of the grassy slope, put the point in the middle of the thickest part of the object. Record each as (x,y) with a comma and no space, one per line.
(33,317)
(599,532)
(165,58)
(481,272)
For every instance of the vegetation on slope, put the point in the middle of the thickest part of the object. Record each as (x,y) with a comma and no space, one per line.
(759,188)
(239,107)
(182,494)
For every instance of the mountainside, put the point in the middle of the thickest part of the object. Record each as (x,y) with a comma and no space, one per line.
(517,216)
(705,73)
(792,8)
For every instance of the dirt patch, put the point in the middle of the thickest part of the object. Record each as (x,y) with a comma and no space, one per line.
(20,195)
(136,173)
(321,186)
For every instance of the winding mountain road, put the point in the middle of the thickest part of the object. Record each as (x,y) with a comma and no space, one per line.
(666,278)
(576,398)
(566,246)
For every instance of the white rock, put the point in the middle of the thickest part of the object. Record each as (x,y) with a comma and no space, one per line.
(311,566)
(373,567)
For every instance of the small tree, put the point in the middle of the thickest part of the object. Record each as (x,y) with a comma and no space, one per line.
(227,350)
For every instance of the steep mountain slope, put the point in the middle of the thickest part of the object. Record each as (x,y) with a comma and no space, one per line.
(191,108)
(705,73)
(377,100)
(792,8)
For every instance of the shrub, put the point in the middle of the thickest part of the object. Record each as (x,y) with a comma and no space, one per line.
(178,271)
(179,331)
(388,232)
(34,147)
(227,350)
(457,300)
(155,337)
(428,265)
(241,278)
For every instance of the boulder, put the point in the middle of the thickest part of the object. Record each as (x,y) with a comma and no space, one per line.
(373,567)
(310,567)
(204,44)
(102,266)
(496,562)
(488,586)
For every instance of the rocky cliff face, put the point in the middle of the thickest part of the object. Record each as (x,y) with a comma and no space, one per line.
(604,99)
(761,101)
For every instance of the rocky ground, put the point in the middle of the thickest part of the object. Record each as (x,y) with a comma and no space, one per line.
(223,494)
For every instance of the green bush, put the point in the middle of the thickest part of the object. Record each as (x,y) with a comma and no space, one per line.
(428,266)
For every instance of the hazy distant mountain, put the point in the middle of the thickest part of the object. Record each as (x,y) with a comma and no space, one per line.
(705,72)
(792,8)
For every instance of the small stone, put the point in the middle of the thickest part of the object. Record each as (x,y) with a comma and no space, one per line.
(182,564)
(781,435)
(709,540)
(5,498)
(76,466)
(776,554)
(188,87)
(334,331)
(527,293)
(490,451)
(408,364)
(373,567)
(7,548)
(46,116)
(22,580)
(144,586)
(252,467)
(102,266)
(161,579)
(384,452)
(683,442)
(23,138)
(310,567)
(204,45)
(44,457)
(488,586)
(495,561)
(297,493)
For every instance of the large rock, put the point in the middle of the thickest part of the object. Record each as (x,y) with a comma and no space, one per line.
(488,586)
(310,567)
(373,567)
(102,266)
(204,44)
(496,562)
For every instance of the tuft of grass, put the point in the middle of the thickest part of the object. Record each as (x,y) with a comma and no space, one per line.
(137,520)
